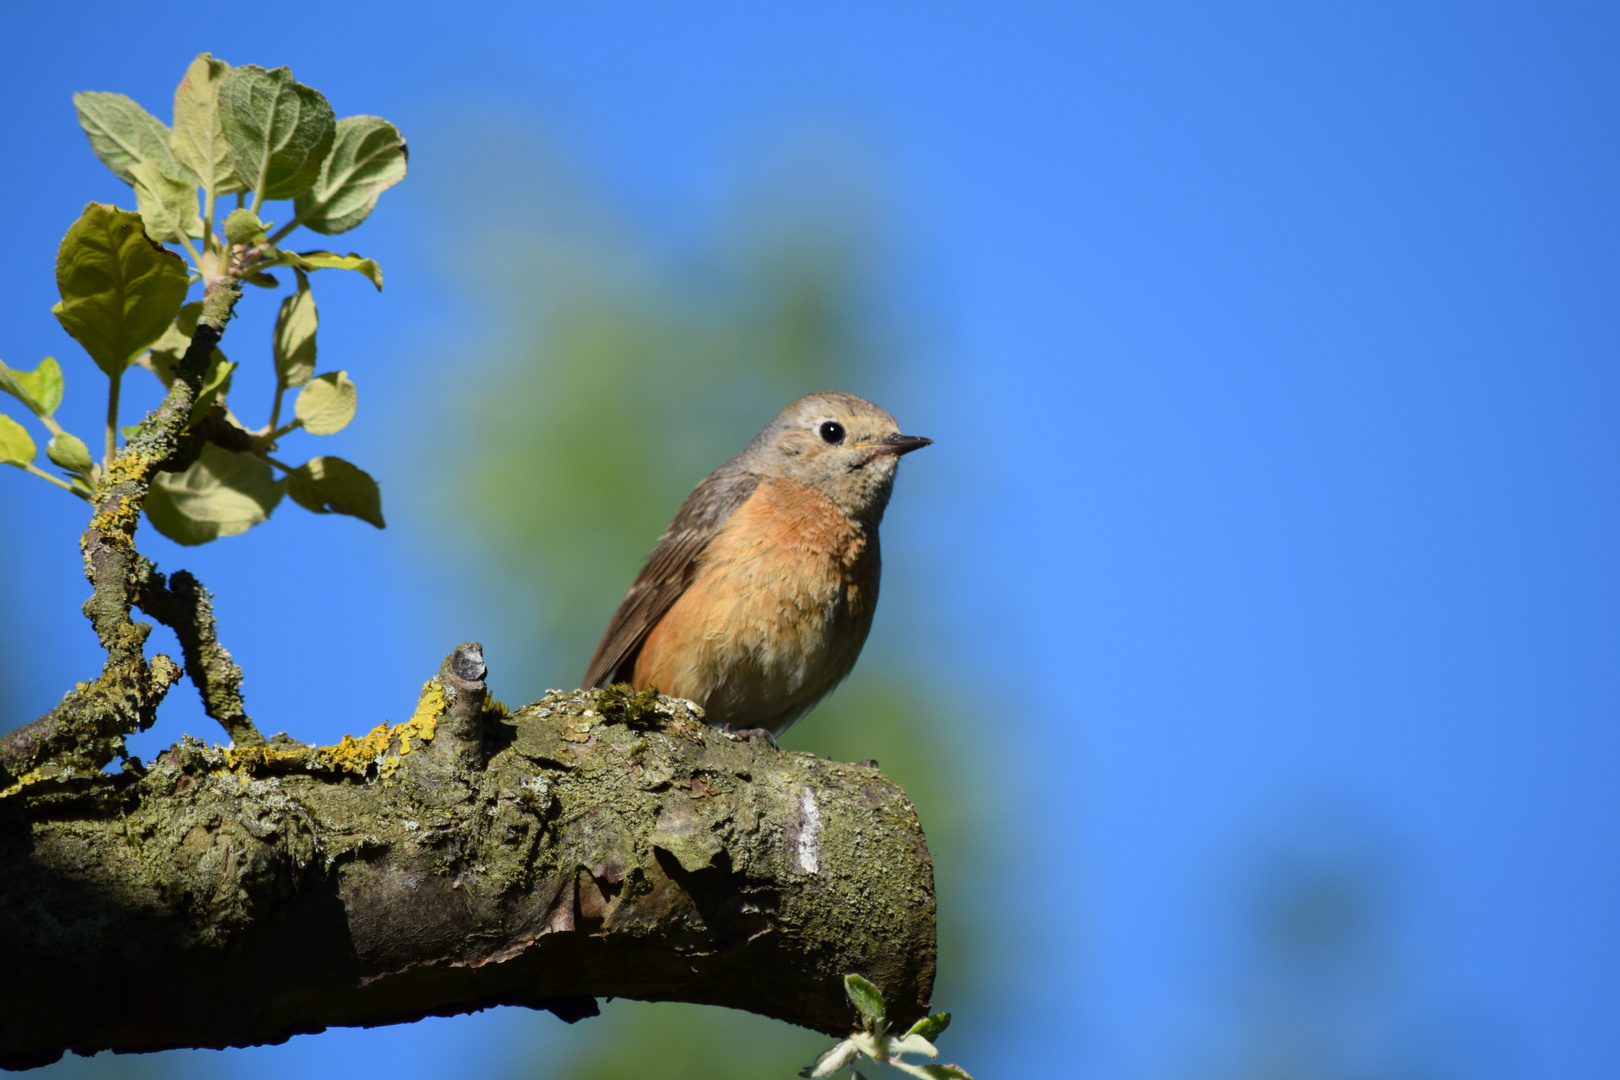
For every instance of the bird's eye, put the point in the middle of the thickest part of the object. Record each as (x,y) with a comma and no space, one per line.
(831,431)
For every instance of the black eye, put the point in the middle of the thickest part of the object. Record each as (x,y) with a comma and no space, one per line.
(831,431)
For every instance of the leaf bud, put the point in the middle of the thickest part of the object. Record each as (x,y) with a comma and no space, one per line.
(244,227)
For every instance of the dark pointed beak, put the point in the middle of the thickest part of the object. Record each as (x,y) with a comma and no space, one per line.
(902,444)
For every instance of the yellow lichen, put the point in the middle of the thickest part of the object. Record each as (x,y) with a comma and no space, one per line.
(33,776)
(381,748)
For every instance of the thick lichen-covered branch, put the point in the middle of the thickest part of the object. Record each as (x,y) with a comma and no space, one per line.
(86,731)
(593,844)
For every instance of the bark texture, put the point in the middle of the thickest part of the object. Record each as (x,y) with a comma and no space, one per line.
(182,604)
(599,843)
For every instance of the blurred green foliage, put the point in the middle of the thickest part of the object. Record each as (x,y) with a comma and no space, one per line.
(620,380)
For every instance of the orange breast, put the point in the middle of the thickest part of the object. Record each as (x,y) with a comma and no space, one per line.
(776,615)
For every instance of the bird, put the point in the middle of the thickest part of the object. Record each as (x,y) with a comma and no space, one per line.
(757,599)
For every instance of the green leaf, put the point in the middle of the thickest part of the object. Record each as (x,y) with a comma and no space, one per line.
(279,130)
(322,260)
(930,1027)
(123,134)
(326,404)
(185,320)
(216,385)
(168,206)
(367,158)
(166,352)
(40,389)
(16,445)
(222,494)
(70,453)
(295,336)
(331,485)
(198,140)
(865,997)
(120,289)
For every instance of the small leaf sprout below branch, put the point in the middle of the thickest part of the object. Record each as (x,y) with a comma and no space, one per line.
(875,1041)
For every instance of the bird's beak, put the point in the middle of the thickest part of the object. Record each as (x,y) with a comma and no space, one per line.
(901,444)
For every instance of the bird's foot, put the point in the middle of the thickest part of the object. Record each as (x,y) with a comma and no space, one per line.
(753,733)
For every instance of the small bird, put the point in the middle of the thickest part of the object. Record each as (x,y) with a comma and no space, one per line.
(758,597)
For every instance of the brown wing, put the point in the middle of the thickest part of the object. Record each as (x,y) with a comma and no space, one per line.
(669,570)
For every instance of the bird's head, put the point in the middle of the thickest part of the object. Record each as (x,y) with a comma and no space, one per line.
(843,446)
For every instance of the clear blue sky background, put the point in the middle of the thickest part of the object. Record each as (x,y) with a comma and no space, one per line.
(1271,351)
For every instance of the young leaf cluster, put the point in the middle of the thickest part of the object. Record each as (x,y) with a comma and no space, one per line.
(255,135)
(876,1041)
(41,391)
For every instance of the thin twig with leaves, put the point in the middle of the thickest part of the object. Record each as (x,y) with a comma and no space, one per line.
(191,467)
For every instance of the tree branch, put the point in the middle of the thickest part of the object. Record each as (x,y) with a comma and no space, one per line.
(183,605)
(600,843)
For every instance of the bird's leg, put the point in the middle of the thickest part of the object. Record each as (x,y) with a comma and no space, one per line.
(757,733)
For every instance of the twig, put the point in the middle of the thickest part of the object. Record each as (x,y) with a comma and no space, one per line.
(29,467)
(184,606)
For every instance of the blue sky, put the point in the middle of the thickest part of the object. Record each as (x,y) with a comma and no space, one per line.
(1270,351)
